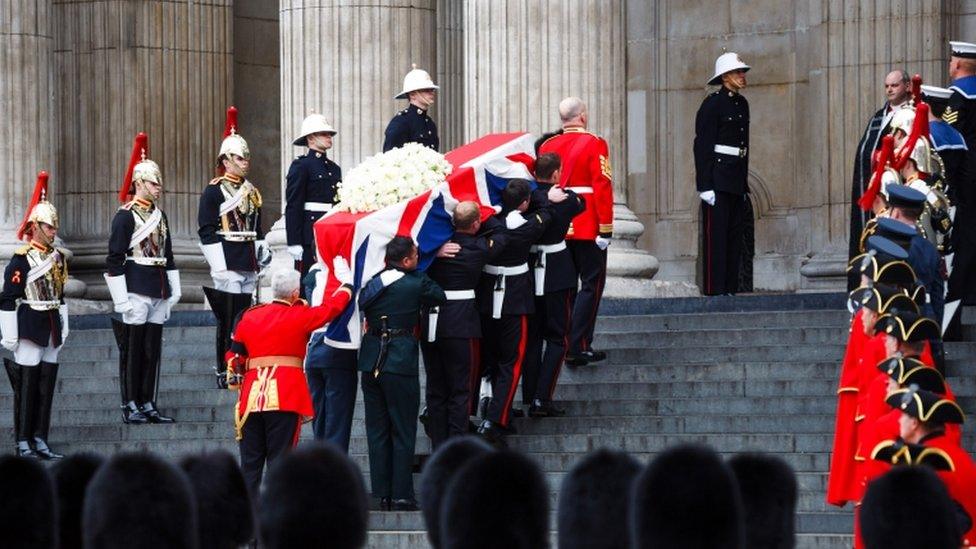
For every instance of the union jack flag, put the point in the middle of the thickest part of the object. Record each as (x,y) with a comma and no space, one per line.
(481,170)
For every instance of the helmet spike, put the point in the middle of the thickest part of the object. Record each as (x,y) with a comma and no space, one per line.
(39,195)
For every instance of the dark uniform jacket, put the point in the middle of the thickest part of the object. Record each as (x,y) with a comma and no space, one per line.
(411,125)
(519,289)
(961,115)
(952,149)
(147,280)
(560,270)
(459,318)
(722,119)
(40,327)
(926,261)
(312,177)
(240,256)
(398,296)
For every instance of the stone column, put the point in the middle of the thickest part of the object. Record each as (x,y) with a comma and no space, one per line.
(450,73)
(346,59)
(156,66)
(521,57)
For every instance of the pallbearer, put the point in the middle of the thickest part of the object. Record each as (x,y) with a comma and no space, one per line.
(144,284)
(34,322)
(231,237)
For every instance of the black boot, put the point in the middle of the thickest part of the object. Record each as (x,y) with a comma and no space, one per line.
(135,368)
(220,303)
(29,378)
(492,434)
(150,374)
(121,332)
(15,374)
(42,426)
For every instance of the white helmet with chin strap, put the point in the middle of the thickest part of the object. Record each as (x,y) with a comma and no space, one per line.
(313,123)
(416,80)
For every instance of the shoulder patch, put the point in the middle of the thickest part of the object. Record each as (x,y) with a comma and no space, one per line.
(215,181)
(127,205)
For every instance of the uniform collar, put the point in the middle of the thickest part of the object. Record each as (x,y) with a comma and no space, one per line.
(298,301)
(574,129)
(730,93)
(934,434)
(43,248)
(143,204)
(233,179)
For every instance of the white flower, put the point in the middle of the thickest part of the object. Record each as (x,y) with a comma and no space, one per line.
(392,177)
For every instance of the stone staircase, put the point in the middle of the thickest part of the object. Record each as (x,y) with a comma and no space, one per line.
(743,373)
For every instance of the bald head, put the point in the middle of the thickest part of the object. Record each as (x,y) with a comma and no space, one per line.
(897,87)
(467,217)
(572,112)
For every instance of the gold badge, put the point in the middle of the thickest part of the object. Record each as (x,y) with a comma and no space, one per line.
(605,167)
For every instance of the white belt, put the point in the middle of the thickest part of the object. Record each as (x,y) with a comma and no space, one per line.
(317,206)
(239,236)
(501,273)
(41,305)
(731,151)
(540,267)
(580,190)
(451,295)
(151,261)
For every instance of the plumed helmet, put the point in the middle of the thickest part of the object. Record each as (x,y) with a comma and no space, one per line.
(39,210)
(415,80)
(903,119)
(233,143)
(313,123)
(140,167)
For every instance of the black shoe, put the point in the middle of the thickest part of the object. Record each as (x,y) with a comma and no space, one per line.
(424,419)
(595,356)
(44,451)
(405,505)
(379,504)
(518,412)
(24,450)
(132,414)
(541,408)
(152,414)
(576,359)
(492,434)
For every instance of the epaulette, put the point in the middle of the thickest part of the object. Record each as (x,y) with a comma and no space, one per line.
(127,205)
(215,181)
(22,250)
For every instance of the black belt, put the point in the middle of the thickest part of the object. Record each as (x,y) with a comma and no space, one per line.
(391,332)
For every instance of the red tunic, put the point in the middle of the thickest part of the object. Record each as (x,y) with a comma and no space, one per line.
(961,482)
(586,169)
(841,481)
(279,329)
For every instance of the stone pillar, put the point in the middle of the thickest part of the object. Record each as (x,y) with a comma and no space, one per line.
(521,57)
(346,59)
(450,73)
(156,66)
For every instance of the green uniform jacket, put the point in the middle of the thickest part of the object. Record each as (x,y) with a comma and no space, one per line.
(398,296)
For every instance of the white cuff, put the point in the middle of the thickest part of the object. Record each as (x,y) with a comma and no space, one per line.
(8,325)
(118,289)
(214,254)
(296,252)
(175,289)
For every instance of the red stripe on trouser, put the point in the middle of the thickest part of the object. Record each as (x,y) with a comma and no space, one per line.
(474,376)
(516,372)
(559,366)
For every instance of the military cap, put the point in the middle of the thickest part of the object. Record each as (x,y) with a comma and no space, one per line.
(224,510)
(903,196)
(498,499)
(899,452)
(881,298)
(438,472)
(909,507)
(594,501)
(963,49)
(926,406)
(27,505)
(910,371)
(768,488)
(71,478)
(907,325)
(884,262)
(896,231)
(919,294)
(937,98)
(139,500)
(687,497)
(314,497)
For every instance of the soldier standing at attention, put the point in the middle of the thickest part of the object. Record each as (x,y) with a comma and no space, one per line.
(34,322)
(388,359)
(721,167)
(413,124)
(311,189)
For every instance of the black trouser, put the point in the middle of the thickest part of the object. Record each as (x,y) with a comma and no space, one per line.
(332,379)
(509,337)
(265,436)
(451,366)
(548,343)
(722,228)
(392,402)
(591,264)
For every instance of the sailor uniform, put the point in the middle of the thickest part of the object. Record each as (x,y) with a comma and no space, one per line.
(310,192)
(411,125)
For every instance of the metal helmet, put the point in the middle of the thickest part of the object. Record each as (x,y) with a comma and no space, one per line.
(39,210)
(233,143)
(313,123)
(147,170)
(903,119)
(140,167)
(922,155)
(416,80)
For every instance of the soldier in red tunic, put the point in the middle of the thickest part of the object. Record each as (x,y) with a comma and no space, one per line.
(265,361)
(585,170)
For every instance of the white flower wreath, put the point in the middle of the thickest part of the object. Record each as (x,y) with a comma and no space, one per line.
(392,177)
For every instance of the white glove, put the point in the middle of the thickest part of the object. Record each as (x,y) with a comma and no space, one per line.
(8,325)
(120,293)
(175,288)
(340,269)
(63,312)
(602,242)
(296,252)
(708,197)
(214,254)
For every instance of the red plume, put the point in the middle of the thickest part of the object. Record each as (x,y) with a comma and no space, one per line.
(887,149)
(40,191)
(920,128)
(230,124)
(917,89)
(140,147)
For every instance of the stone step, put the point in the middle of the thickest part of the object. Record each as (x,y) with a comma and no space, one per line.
(713,321)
